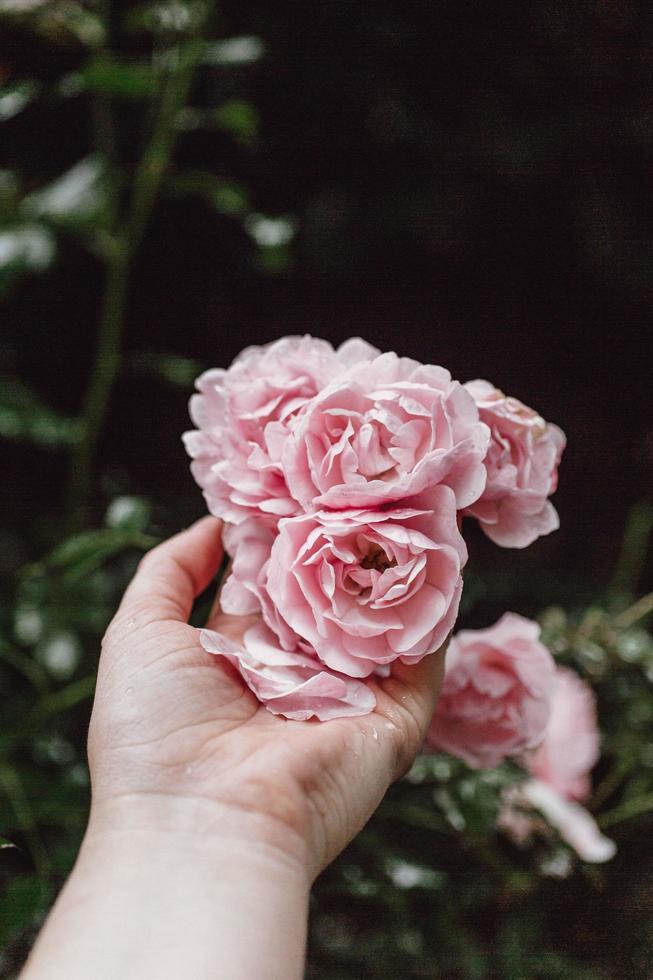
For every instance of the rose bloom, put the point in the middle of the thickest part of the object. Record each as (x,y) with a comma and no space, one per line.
(290,683)
(243,415)
(388,429)
(561,766)
(570,748)
(522,469)
(360,588)
(496,696)
(245,591)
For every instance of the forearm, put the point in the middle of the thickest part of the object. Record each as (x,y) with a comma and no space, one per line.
(145,904)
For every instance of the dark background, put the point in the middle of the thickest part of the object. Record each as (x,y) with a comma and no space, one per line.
(472,187)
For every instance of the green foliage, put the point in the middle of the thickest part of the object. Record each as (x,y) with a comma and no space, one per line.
(23,417)
(122,79)
(239,118)
(14,98)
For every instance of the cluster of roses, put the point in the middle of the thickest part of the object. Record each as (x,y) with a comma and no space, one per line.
(342,476)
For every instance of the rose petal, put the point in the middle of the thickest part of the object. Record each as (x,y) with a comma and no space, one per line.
(291,684)
(572,821)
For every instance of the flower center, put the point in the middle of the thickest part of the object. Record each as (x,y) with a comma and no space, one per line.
(377,559)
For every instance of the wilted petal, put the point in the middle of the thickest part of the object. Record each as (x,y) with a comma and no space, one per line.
(290,683)
(573,822)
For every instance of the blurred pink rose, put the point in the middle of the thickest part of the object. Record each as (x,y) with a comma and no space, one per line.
(496,695)
(570,749)
(561,766)
(291,684)
(522,469)
(387,430)
(365,587)
(243,415)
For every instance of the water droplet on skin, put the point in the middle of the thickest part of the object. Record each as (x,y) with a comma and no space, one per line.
(375,735)
(188,770)
(130,690)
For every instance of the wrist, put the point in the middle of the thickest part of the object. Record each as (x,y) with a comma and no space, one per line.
(177,896)
(198,828)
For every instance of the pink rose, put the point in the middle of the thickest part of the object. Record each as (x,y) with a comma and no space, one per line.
(496,695)
(522,469)
(561,765)
(243,415)
(364,587)
(387,430)
(570,749)
(291,684)
(245,590)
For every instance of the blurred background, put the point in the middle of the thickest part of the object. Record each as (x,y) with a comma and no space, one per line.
(465,184)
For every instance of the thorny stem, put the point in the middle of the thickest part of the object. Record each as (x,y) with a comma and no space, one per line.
(147,184)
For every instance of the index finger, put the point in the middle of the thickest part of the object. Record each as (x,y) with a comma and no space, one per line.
(174,573)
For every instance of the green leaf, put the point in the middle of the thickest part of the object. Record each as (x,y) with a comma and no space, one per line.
(64,699)
(22,903)
(231,199)
(4,844)
(75,198)
(24,248)
(23,417)
(234,51)
(24,665)
(128,513)
(60,23)
(85,551)
(9,195)
(166,18)
(239,118)
(228,197)
(15,98)
(174,370)
(26,244)
(123,79)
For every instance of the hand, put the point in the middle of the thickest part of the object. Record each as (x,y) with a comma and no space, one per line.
(175,731)
(210,816)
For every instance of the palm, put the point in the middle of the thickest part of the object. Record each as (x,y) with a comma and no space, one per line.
(182,723)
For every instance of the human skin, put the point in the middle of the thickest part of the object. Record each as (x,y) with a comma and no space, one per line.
(211,817)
